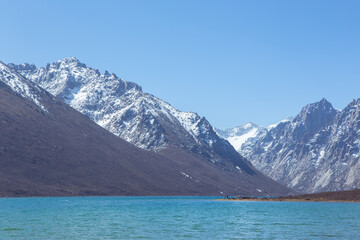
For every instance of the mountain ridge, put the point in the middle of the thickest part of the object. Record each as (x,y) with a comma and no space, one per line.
(316,151)
(122,108)
(61,152)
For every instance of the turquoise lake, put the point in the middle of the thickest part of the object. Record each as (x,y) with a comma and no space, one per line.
(174,218)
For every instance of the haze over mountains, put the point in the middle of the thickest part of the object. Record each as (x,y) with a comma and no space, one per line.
(50,149)
(316,151)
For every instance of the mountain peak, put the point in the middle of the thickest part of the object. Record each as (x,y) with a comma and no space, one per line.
(325,104)
(317,151)
(355,102)
(250,125)
(313,117)
(322,107)
(354,105)
(322,104)
(324,100)
(237,136)
(142,119)
(22,67)
(69,62)
(238,130)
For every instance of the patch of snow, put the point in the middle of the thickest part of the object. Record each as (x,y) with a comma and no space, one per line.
(267,146)
(186,175)
(238,141)
(296,180)
(276,124)
(313,154)
(324,179)
(351,177)
(248,125)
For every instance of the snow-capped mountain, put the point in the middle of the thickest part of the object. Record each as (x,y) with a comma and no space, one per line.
(242,137)
(47,148)
(237,136)
(316,151)
(125,110)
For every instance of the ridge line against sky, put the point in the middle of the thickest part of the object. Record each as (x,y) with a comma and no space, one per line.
(230,61)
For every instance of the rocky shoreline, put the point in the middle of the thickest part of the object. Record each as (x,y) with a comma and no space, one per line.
(338,196)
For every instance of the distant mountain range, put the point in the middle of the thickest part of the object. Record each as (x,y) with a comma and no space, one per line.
(47,148)
(316,151)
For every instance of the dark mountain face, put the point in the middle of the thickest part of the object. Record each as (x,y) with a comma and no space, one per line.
(317,151)
(312,119)
(49,149)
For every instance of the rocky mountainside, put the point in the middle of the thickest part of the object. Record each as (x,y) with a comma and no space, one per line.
(49,149)
(125,110)
(316,151)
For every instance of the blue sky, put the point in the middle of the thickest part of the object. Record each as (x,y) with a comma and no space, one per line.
(230,61)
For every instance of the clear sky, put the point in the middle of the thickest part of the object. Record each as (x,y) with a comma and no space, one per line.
(230,61)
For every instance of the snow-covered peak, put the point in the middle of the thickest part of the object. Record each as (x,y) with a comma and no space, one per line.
(69,60)
(68,78)
(69,63)
(317,151)
(237,136)
(122,108)
(238,130)
(20,85)
(249,125)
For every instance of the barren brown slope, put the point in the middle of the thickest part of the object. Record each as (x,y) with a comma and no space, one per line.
(60,152)
(351,196)
(337,196)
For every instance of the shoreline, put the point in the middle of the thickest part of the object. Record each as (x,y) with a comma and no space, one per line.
(287,200)
(352,196)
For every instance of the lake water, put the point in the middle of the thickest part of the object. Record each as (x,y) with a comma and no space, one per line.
(174,218)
